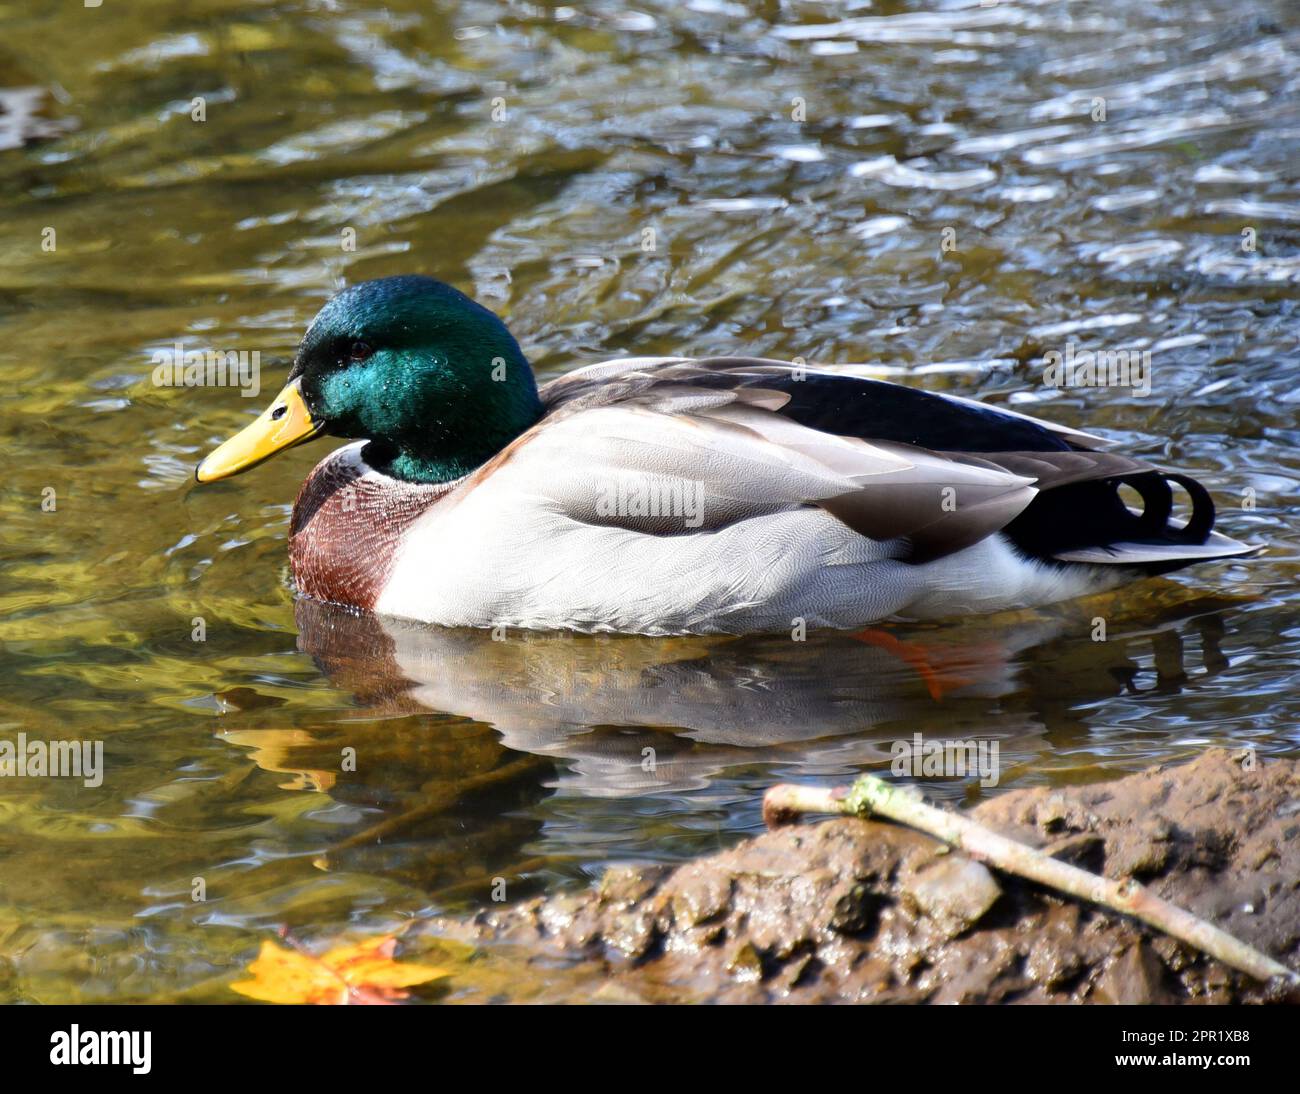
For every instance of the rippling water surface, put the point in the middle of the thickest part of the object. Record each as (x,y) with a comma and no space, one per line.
(707,177)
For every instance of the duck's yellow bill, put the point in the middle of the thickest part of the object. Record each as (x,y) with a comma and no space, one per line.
(283,424)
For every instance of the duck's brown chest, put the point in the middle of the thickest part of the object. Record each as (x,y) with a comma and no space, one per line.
(346,527)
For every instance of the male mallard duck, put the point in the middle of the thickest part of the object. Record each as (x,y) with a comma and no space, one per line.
(667,495)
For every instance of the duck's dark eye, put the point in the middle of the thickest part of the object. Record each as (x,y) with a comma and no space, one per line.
(359,351)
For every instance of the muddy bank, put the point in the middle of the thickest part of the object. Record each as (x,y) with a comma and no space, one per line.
(855,911)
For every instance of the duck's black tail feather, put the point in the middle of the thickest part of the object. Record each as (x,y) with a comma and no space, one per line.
(1089,522)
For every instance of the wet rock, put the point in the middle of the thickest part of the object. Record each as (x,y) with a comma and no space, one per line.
(745,962)
(954,892)
(634,934)
(701,900)
(1140,851)
(1054,955)
(859,911)
(629,885)
(989,980)
(1132,978)
(1057,814)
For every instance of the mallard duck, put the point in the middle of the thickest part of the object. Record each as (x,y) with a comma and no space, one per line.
(667,495)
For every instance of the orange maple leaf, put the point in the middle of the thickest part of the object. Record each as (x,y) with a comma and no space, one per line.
(361,973)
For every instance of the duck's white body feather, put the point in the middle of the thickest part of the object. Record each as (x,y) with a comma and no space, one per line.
(533,568)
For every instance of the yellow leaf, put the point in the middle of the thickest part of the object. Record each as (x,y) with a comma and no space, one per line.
(360,973)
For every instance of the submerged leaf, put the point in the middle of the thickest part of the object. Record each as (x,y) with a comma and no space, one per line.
(360,973)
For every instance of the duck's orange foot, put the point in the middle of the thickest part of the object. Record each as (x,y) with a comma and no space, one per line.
(942,668)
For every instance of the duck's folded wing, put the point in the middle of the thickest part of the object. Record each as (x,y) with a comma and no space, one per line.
(700,460)
(927,472)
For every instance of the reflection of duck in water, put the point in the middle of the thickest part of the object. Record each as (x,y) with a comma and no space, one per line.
(702,705)
(458,738)
(675,496)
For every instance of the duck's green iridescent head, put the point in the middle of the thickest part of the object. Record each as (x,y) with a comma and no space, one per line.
(432,379)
